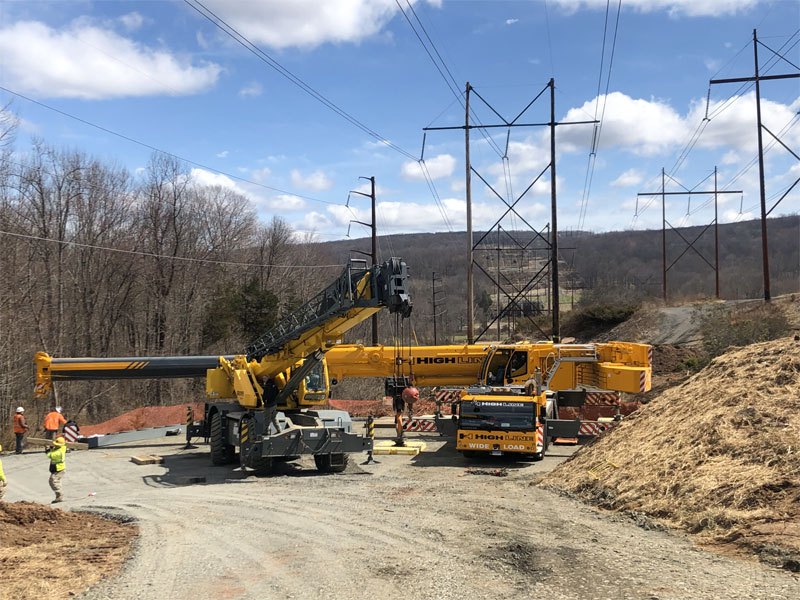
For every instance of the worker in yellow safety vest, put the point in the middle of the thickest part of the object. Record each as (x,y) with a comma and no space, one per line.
(57,453)
(2,478)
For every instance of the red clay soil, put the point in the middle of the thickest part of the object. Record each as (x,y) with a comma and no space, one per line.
(50,553)
(380,408)
(145,417)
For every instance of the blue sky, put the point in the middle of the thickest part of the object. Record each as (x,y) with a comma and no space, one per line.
(165,75)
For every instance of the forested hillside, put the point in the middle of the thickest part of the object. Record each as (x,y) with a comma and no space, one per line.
(616,264)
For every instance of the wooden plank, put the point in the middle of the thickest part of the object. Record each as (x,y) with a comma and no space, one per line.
(147,459)
(44,443)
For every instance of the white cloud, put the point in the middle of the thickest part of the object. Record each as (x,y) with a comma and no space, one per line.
(629,178)
(316,181)
(251,90)
(132,21)
(427,216)
(316,221)
(260,175)
(89,62)
(307,23)
(688,8)
(438,167)
(223,154)
(511,21)
(203,177)
(643,127)
(285,202)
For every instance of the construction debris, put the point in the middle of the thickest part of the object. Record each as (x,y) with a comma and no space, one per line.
(717,456)
(503,472)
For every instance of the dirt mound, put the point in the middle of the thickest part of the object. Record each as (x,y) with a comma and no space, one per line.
(716,456)
(141,418)
(45,552)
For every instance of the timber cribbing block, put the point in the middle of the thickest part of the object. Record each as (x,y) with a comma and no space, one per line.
(45,443)
(148,459)
(388,447)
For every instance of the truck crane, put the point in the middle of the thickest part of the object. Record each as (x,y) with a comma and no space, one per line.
(284,368)
(508,396)
(606,365)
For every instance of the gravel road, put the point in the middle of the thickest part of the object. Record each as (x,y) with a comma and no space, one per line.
(415,528)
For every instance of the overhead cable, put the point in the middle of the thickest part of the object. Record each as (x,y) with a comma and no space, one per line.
(274,64)
(164,256)
(159,150)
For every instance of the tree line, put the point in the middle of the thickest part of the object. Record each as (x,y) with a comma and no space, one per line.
(100,262)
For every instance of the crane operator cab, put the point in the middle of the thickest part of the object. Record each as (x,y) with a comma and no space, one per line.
(505,365)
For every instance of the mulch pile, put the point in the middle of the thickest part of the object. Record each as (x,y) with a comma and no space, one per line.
(50,553)
(145,417)
(717,456)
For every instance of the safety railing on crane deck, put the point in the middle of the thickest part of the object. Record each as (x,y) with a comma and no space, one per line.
(575,353)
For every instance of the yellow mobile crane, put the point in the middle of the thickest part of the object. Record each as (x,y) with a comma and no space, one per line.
(245,390)
(509,394)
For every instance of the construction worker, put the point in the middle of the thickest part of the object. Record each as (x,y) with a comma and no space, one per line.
(20,428)
(2,478)
(57,453)
(408,396)
(271,392)
(52,421)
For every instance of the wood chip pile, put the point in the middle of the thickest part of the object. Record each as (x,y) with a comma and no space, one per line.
(717,456)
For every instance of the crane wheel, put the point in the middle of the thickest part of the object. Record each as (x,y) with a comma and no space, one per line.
(262,466)
(221,452)
(331,463)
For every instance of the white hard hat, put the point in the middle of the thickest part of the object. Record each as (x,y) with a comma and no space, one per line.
(20,409)
(58,409)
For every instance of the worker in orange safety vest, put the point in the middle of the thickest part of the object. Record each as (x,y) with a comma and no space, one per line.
(52,421)
(20,429)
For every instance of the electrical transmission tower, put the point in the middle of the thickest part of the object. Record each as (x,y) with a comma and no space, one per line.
(757,78)
(516,294)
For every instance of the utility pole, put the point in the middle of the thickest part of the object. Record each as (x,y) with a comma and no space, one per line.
(554,212)
(762,187)
(499,314)
(435,304)
(470,245)
(374,254)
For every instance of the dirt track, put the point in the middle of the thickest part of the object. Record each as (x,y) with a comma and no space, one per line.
(420,528)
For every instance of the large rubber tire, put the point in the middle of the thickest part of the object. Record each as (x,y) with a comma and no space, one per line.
(262,466)
(331,463)
(222,453)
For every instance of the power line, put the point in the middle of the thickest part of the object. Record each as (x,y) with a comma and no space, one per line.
(168,257)
(242,40)
(599,127)
(451,83)
(159,150)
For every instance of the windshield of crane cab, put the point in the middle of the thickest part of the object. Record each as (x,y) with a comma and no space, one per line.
(315,380)
(495,414)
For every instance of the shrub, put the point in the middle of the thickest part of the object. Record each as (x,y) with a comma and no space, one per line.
(723,326)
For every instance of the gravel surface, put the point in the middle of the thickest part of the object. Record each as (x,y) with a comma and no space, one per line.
(416,528)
